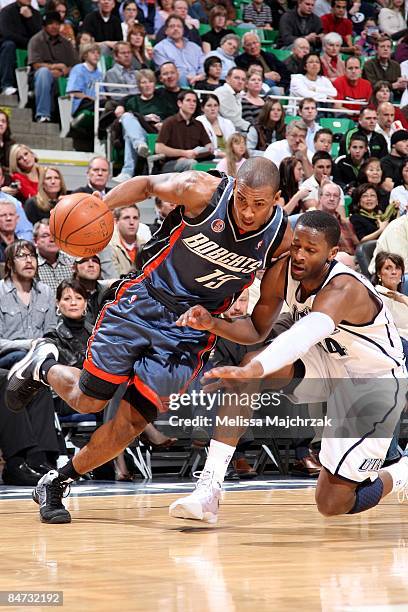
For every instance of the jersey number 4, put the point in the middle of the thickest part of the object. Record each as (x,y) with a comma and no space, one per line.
(215,279)
(332,346)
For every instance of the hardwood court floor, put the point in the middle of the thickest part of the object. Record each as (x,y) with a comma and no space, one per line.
(270,551)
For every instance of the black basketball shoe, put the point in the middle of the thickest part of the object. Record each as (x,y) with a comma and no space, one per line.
(48,494)
(24,377)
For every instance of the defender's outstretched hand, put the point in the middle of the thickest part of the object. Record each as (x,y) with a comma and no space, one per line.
(252,370)
(196,317)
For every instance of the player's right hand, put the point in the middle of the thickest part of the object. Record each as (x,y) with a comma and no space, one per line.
(196,317)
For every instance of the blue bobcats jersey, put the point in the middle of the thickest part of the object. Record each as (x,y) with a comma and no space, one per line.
(208,260)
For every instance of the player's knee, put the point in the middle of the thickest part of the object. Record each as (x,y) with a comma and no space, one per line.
(329,505)
(85,404)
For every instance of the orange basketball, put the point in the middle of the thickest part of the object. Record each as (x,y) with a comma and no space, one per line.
(81,224)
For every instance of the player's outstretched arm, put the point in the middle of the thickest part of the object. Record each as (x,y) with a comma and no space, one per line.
(247,331)
(192,189)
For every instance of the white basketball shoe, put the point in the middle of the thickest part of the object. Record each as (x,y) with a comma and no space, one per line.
(202,504)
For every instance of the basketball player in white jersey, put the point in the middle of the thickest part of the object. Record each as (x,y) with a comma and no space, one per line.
(341,334)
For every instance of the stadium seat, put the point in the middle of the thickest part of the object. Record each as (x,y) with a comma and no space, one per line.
(153,156)
(364,254)
(347,205)
(281,54)
(336,125)
(335,150)
(290,118)
(105,63)
(204,166)
(22,72)
(204,28)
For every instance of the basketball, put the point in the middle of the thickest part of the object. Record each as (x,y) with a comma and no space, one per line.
(81,224)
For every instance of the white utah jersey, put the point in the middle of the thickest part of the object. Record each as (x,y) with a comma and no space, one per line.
(369,350)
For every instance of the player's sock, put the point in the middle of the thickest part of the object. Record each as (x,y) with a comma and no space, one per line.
(68,473)
(218,459)
(367,496)
(399,473)
(46,367)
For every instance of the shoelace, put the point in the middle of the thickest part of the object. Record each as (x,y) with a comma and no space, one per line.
(205,478)
(57,490)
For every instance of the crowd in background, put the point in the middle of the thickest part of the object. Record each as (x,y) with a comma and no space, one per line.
(204,81)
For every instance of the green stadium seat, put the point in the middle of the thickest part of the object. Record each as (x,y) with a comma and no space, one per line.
(347,205)
(151,142)
(336,125)
(204,166)
(62,85)
(281,54)
(335,150)
(204,28)
(290,118)
(21,57)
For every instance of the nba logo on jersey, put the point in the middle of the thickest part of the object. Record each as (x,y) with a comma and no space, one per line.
(217,225)
(258,246)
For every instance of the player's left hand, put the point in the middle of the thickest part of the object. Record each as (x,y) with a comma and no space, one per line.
(97,194)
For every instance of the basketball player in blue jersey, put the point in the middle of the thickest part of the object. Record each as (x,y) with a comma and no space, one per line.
(206,252)
(341,334)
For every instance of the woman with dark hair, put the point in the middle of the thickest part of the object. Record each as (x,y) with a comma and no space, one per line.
(400,194)
(66,27)
(51,187)
(217,127)
(217,19)
(311,83)
(212,70)
(382,92)
(366,217)
(371,172)
(142,57)
(6,140)
(269,126)
(252,101)
(291,176)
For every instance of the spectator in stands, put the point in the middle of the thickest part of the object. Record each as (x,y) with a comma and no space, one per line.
(129,13)
(300,48)
(104,25)
(391,18)
(367,121)
(169,78)
(294,144)
(211,40)
(394,239)
(141,54)
(6,141)
(217,127)
(27,313)
(301,22)
(236,153)
(54,265)
(190,25)
(73,330)
(322,171)
(122,72)
(8,225)
(50,56)
(401,52)
(126,242)
(372,173)
(82,79)
(24,229)
(212,71)
(50,189)
(87,270)
(332,64)
(24,168)
(183,139)
(388,281)
(66,29)
(392,163)
(276,73)
(229,96)
(323,140)
(382,93)
(386,125)
(311,83)
(186,55)
(269,127)
(18,23)
(329,199)
(98,175)
(146,15)
(400,194)
(383,68)
(337,21)
(142,114)
(360,13)
(290,185)
(226,52)
(164,10)
(347,166)
(351,86)
(366,215)
(258,13)
(308,114)
(252,101)
(84,38)
(227,4)
(163,209)
(367,38)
